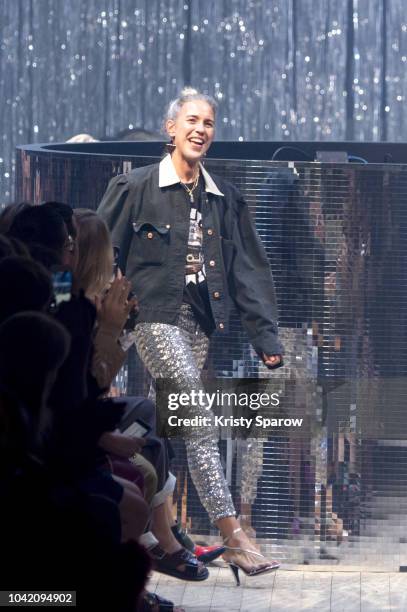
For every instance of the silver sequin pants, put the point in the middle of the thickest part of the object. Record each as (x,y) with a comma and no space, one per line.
(178,352)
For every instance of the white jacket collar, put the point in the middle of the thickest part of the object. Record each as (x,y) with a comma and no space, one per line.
(167,176)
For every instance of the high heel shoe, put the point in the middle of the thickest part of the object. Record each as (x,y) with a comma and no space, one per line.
(235,566)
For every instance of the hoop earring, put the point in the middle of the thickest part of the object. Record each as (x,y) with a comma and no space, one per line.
(170,147)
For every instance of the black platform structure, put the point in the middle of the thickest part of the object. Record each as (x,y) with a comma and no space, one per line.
(336,235)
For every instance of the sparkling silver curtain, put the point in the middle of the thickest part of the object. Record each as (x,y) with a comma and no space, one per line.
(280,69)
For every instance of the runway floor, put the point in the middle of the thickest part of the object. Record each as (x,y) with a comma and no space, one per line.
(289,590)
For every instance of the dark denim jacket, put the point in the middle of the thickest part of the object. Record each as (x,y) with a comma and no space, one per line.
(151,227)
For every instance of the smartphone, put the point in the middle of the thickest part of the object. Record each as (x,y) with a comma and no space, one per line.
(131,319)
(137,429)
(62,284)
(131,425)
(116,253)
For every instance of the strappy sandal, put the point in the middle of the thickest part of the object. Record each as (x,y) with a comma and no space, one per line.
(168,564)
(151,602)
(235,566)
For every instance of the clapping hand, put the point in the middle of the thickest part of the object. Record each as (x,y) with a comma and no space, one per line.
(114,308)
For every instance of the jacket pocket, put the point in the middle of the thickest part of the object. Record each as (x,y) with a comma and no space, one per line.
(151,243)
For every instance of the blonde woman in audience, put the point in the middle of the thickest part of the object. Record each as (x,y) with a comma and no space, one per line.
(93,275)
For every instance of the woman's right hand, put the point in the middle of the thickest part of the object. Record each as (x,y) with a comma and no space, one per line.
(114,308)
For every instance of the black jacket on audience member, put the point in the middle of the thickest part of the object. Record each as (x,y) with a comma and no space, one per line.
(79,418)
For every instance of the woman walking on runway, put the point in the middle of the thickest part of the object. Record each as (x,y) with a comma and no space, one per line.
(190,248)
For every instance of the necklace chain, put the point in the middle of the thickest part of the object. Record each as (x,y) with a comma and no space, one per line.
(190,190)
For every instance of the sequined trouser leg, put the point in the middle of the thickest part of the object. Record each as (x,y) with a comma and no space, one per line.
(178,352)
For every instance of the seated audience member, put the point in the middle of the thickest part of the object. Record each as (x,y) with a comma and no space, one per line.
(82,138)
(80,423)
(12,246)
(19,247)
(28,369)
(93,274)
(48,230)
(24,285)
(57,540)
(8,213)
(43,231)
(6,247)
(137,134)
(27,285)
(69,259)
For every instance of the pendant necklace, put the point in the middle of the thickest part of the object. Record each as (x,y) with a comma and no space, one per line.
(190,190)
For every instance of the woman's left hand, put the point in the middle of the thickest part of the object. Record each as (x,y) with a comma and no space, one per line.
(271,361)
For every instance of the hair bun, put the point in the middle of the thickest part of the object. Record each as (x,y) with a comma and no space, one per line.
(189,91)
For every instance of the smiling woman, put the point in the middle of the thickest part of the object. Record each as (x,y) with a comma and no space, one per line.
(190,248)
(191,127)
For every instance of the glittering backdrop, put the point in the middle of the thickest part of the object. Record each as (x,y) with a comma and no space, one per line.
(280,69)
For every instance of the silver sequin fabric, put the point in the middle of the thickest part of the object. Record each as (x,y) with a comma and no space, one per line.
(179,352)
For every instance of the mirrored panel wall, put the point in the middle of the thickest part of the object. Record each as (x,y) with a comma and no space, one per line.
(336,237)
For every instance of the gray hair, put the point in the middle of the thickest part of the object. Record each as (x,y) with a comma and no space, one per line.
(188,94)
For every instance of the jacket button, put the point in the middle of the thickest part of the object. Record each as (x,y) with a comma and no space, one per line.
(216,295)
(210,232)
(221,326)
(150,235)
(212,263)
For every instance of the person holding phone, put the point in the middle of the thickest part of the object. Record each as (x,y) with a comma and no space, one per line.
(190,248)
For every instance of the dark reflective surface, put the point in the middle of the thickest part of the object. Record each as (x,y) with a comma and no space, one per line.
(336,238)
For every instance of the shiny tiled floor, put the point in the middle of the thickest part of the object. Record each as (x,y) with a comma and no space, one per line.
(289,591)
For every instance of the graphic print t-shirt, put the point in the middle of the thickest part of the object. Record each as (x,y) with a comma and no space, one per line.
(196,288)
